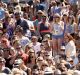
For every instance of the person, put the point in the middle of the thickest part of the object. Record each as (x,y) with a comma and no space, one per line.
(71,26)
(57,30)
(70,48)
(22,22)
(44,26)
(36,44)
(4,69)
(2,11)
(22,39)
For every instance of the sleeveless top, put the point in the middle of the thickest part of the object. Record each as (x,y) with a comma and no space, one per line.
(58,30)
(44,28)
(70,28)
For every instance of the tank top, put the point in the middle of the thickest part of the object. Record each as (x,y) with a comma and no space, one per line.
(44,28)
(70,28)
(58,31)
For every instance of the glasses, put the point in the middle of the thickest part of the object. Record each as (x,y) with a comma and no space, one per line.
(40,60)
(39,13)
(32,57)
(43,16)
(45,65)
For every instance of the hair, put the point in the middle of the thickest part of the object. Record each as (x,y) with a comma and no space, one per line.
(73,19)
(69,36)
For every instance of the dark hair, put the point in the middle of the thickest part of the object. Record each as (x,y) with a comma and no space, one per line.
(51,18)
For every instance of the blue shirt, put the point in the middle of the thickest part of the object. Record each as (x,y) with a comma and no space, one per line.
(2,13)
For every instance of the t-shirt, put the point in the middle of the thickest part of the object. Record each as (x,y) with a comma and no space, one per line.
(24,41)
(37,47)
(58,29)
(70,49)
(2,13)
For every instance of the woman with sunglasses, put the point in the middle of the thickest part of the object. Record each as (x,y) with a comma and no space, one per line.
(44,26)
(57,33)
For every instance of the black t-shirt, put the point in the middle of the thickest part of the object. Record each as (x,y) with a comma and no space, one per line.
(7,64)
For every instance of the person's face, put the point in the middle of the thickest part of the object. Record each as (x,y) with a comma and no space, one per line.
(39,61)
(17,17)
(43,18)
(39,15)
(4,44)
(6,53)
(57,19)
(34,39)
(64,17)
(9,19)
(66,39)
(0,4)
(1,64)
(32,53)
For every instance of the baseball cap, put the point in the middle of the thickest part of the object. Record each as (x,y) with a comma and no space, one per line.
(69,59)
(17,62)
(48,71)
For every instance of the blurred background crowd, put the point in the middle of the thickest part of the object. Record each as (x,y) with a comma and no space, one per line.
(39,37)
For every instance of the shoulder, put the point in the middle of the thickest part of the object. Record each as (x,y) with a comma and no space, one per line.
(6,70)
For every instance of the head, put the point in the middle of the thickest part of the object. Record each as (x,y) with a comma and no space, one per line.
(19,31)
(5,43)
(34,39)
(68,38)
(17,15)
(6,52)
(44,17)
(71,19)
(25,15)
(57,18)
(2,62)
(18,63)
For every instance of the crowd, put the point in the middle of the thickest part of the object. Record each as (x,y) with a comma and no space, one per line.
(40,37)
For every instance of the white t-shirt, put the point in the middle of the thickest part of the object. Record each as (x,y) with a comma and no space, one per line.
(23,41)
(37,47)
(70,49)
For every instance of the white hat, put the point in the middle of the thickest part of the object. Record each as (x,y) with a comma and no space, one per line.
(16,1)
(69,59)
(48,70)
(76,72)
(63,47)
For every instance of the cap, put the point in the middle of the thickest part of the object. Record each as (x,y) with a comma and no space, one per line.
(31,51)
(57,15)
(40,58)
(63,47)
(48,70)
(47,36)
(17,13)
(40,11)
(17,62)
(57,72)
(69,59)
(16,1)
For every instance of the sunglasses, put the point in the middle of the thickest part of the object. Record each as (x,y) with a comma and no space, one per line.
(40,60)
(32,57)
(43,16)
(44,65)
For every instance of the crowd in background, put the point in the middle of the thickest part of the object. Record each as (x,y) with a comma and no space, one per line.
(40,37)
